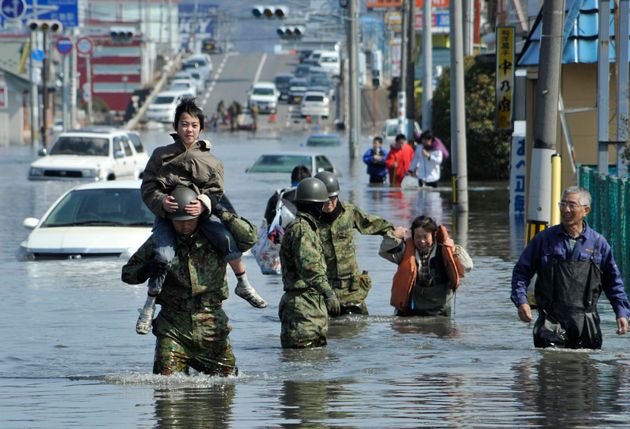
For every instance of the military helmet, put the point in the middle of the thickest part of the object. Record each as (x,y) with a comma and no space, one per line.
(183,196)
(311,190)
(331,182)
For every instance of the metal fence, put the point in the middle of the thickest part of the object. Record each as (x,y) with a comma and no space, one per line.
(610,194)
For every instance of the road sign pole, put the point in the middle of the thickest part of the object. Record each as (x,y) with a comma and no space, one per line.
(73,82)
(66,93)
(88,69)
(45,72)
(34,94)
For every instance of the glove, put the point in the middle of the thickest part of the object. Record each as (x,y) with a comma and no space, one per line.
(154,268)
(332,303)
(217,208)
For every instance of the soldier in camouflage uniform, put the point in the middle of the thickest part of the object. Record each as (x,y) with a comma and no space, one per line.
(335,230)
(191,328)
(308,297)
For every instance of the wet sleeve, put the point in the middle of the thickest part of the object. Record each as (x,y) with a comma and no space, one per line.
(368,224)
(524,270)
(132,272)
(392,248)
(150,189)
(612,283)
(312,266)
(368,157)
(244,232)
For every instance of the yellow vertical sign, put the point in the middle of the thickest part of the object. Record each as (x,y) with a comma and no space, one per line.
(505,77)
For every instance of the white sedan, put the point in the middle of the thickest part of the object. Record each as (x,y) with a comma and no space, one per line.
(315,103)
(98,219)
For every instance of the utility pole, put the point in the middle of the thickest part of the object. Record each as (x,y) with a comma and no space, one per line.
(546,118)
(354,96)
(603,89)
(34,92)
(45,73)
(427,71)
(402,90)
(458,111)
(411,69)
(469,21)
(73,80)
(622,82)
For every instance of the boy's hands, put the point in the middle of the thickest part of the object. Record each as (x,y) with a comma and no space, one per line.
(169,204)
(194,208)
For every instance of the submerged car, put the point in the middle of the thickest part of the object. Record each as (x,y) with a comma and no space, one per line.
(323,140)
(284,162)
(91,154)
(97,219)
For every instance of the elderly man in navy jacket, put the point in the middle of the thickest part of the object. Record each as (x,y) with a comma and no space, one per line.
(573,264)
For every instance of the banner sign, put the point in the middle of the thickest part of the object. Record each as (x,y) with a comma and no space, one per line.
(505,77)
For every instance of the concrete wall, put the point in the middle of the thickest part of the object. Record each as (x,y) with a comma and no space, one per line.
(12,115)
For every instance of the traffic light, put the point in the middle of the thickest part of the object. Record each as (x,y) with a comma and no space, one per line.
(46,25)
(121,34)
(290,32)
(270,11)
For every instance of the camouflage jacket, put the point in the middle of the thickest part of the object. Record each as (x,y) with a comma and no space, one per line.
(197,274)
(174,165)
(337,239)
(301,256)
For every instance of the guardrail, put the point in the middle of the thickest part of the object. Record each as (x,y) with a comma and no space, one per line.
(610,196)
(173,66)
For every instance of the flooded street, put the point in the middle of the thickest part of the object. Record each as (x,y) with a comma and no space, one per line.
(70,357)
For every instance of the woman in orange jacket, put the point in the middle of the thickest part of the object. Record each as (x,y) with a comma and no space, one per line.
(429,268)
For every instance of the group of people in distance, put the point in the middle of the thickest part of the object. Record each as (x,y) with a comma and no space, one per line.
(424,162)
(185,261)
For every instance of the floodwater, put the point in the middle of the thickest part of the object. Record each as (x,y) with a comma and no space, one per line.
(70,357)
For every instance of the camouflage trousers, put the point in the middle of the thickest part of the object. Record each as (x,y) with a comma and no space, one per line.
(352,293)
(197,340)
(304,319)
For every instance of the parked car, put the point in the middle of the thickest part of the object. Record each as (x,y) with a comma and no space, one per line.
(198,79)
(162,108)
(323,140)
(297,89)
(98,219)
(315,103)
(199,62)
(302,71)
(390,130)
(322,83)
(91,154)
(284,162)
(330,60)
(265,96)
(184,86)
(282,85)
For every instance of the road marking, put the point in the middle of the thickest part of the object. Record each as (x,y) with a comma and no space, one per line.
(216,77)
(260,66)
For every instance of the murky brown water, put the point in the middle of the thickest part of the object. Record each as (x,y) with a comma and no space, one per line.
(70,356)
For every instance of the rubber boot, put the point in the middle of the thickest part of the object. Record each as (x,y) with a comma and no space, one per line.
(246,291)
(145,320)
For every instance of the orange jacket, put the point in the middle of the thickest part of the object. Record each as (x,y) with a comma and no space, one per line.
(402,158)
(405,277)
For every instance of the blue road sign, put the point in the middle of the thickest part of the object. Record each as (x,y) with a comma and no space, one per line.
(38,55)
(65,11)
(64,45)
(12,9)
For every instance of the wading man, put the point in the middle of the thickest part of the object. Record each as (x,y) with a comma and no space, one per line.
(192,328)
(573,264)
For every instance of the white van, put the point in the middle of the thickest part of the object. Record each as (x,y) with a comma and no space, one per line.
(329,60)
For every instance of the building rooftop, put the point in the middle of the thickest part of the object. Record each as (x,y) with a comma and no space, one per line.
(580,35)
